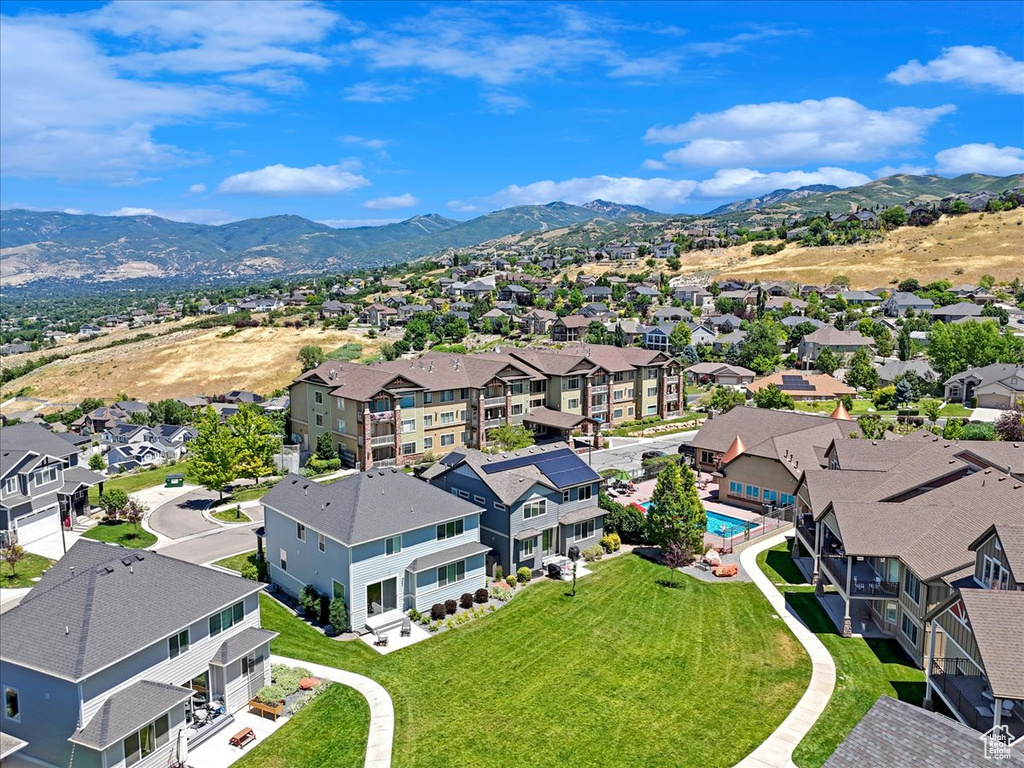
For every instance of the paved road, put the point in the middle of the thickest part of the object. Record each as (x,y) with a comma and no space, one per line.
(214,545)
(628,456)
(183,516)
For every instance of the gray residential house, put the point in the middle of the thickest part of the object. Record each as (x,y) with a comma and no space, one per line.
(999,385)
(537,501)
(115,652)
(842,343)
(898,304)
(381,540)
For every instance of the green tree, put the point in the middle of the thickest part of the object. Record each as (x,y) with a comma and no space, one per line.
(212,453)
(114,502)
(773,397)
(760,349)
(679,339)
(12,554)
(325,450)
(827,361)
(904,344)
(872,427)
(676,515)
(625,520)
(90,404)
(511,437)
(595,333)
(97,463)
(337,615)
(893,217)
(903,392)
(953,347)
(724,399)
(959,207)
(861,373)
(931,409)
(255,441)
(170,411)
(310,356)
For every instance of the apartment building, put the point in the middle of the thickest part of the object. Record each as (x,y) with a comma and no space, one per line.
(385,414)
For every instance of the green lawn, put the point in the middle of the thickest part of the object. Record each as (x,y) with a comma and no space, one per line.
(247,493)
(235,562)
(136,481)
(330,731)
(230,516)
(125,534)
(862,407)
(30,567)
(618,675)
(865,669)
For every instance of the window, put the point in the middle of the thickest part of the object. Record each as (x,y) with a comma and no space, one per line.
(45,475)
(652,410)
(526,547)
(652,391)
(321,542)
(707,457)
(574,403)
(566,496)
(319,420)
(460,493)
(451,573)
(337,590)
(447,395)
(141,744)
(517,409)
(890,613)
(178,644)
(300,532)
(283,559)
(770,496)
(341,425)
(735,489)
(752,492)
(448,417)
(408,448)
(536,508)
(393,545)
(479,499)
(407,401)
(318,398)
(912,586)
(909,628)
(428,398)
(450,529)
(463,394)
(586,492)
(428,443)
(447,440)
(12,706)
(786,499)
(583,530)
(573,383)
(408,425)
(500,507)
(428,421)
(11,485)
(617,413)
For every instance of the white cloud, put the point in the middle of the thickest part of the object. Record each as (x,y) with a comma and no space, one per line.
(654,165)
(666,193)
(188,215)
(971,65)
(739,41)
(906,169)
(349,223)
(360,141)
(378,93)
(282,180)
(388,202)
(746,182)
(271,79)
(74,211)
(463,207)
(980,158)
(835,129)
(504,102)
(197,189)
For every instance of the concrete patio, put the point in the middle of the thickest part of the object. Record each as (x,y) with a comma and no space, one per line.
(395,640)
(216,752)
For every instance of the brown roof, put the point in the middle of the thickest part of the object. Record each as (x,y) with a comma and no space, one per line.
(822,384)
(831,336)
(997,620)
(549,417)
(755,425)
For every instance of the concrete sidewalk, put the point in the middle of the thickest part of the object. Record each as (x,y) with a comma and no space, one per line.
(777,750)
(382,711)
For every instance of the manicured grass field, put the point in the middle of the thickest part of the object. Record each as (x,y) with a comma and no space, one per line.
(125,534)
(136,481)
(235,562)
(30,567)
(231,516)
(618,675)
(862,407)
(330,731)
(865,669)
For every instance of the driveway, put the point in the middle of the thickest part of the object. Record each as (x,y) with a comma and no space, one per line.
(183,516)
(213,545)
(988,415)
(627,456)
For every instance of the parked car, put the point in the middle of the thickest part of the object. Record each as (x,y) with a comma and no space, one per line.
(652,454)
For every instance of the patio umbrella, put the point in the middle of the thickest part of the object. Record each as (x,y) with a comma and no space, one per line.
(182,753)
(620,474)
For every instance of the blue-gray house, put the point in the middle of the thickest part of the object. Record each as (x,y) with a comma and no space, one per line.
(382,540)
(538,501)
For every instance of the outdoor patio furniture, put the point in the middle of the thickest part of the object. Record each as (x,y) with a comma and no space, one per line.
(242,738)
(406,630)
(263,710)
(380,638)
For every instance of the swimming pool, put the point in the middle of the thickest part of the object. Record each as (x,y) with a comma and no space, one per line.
(719,524)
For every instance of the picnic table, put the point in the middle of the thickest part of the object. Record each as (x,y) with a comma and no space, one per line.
(242,738)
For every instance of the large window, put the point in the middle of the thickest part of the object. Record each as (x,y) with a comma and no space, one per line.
(583,530)
(447,440)
(142,743)
(447,396)
(573,383)
(407,401)
(428,443)
(448,417)
(752,492)
(428,420)
(12,706)
(227,618)
(586,492)
(534,508)
(451,573)
(45,475)
(393,545)
(735,489)
(178,644)
(909,629)
(912,586)
(408,425)
(450,529)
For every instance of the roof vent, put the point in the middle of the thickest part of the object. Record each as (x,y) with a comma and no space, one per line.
(126,561)
(305,490)
(67,630)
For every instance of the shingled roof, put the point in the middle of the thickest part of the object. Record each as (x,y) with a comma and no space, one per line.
(997,621)
(128,710)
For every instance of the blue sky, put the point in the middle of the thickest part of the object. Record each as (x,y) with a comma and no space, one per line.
(371,112)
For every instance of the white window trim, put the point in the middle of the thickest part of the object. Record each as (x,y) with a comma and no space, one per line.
(300,531)
(395,551)
(321,542)
(532,543)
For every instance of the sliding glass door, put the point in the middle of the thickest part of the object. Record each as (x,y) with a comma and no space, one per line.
(382,596)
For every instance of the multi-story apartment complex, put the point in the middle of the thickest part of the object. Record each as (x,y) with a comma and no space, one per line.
(385,414)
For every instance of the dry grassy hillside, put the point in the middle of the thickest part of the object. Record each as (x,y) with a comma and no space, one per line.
(186,363)
(976,244)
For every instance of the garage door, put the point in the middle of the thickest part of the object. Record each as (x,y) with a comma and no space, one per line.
(37,525)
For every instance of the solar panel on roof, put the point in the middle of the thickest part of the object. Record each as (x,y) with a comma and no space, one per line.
(797,383)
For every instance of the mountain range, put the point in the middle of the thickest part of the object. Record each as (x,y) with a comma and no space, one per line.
(44,245)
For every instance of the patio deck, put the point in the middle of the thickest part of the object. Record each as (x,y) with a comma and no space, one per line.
(863,623)
(969,696)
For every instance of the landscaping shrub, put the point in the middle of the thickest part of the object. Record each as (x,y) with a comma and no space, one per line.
(437,611)
(590,554)
(512,581)
(309,599)
(338,615)
(501,593)
(611,542)
(250,571)
(284,680)
(481,595)
(499,574)
(466,601)
(450,606)
(524,574)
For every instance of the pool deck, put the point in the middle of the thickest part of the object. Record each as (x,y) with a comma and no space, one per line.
(645,490)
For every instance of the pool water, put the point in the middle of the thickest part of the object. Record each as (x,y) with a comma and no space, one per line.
(720,525)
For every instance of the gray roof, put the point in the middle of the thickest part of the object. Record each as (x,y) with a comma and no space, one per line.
(899,735)
(997,622)
(366,507)
(988,374)
(894,368)
(581,514)
(549,417)
(445,556)
(101,594)
(127,711)
(76,477)
(32,437)
(238,645)
(831,336)
(9,745)
(527,533)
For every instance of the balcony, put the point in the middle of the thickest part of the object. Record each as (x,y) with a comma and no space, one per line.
(488,423)
(376,417)
(805,526)
(961,683)
(599,389)
(864,581)
(492,401)
(672,397)
(382,441)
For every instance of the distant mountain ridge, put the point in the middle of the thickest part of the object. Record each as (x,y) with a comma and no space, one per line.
(772,198)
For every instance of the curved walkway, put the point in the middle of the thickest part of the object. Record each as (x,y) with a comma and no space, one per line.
(777,750)
(382,711)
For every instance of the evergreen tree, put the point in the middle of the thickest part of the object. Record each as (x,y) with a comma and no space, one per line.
(212,453)
(904,344)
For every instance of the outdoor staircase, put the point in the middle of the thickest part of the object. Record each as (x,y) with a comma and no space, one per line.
(83,524)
